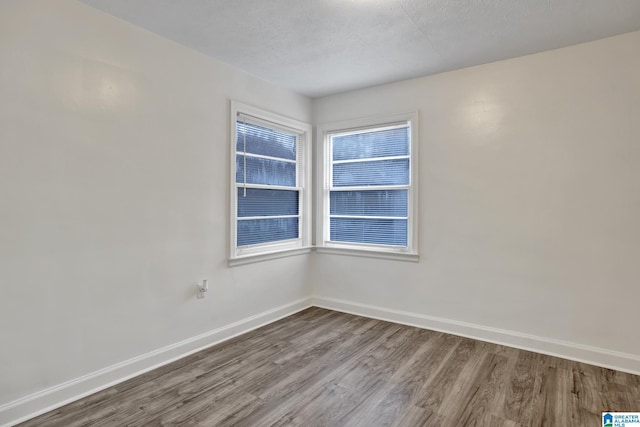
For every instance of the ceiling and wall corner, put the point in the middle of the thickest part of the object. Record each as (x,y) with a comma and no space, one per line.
(114,192)
(321,47)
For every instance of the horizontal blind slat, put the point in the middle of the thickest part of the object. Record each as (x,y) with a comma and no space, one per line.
(265,171)
(371,144)
(381,172)
(268,142)
(251,232)
(266,202)
(369,203)
(374,231)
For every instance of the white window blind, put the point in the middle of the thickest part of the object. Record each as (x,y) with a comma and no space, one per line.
(370,178)
(269,201)
(367,187)
(266,176)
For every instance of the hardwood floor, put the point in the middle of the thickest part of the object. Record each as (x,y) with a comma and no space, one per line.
(324,368)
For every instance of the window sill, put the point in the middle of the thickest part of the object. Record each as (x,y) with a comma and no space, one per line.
(265,256)
(396,256)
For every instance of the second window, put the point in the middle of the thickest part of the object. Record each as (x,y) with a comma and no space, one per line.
(368,192)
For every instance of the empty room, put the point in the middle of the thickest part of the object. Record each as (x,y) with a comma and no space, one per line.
(320,213)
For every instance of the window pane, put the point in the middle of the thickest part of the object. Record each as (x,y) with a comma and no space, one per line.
(253,231)
(259,202)
(376,143)
(372,231)
(267,142)
(266,171)
(369,203)
(381,172)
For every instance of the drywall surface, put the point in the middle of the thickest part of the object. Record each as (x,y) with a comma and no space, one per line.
(114,148)
(529,197)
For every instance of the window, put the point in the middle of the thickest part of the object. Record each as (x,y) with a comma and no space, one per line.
(270,203)
(368,200)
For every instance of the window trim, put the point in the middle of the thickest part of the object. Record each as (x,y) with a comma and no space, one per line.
(323,185)
(270,250)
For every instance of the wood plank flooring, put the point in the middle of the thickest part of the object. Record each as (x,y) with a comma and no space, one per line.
(324,368)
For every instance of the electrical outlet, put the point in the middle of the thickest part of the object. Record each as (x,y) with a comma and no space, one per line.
(202,288)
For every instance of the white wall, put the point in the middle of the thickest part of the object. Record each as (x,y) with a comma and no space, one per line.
(529,201)
(113,196)
(113,192)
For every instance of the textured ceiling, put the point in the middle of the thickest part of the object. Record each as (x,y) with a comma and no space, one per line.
(319,47)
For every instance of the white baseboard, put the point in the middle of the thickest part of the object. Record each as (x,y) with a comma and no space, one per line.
(567,350)
(46,400)
(51,398)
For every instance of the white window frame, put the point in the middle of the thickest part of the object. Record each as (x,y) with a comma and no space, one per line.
(270,250)
(324,180)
